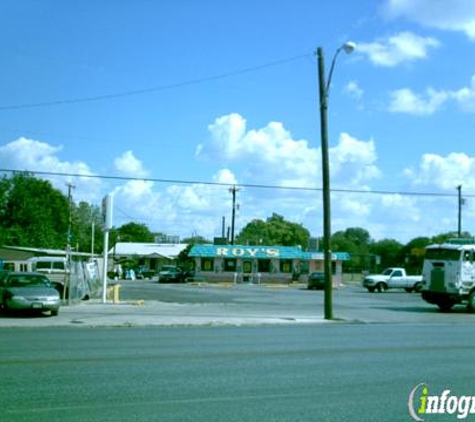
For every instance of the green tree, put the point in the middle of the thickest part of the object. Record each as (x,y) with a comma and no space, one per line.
(388,251)
(411,255)
(34,214)
(356,241)
(274,231)
(444,237)
(196,240)
(87,221)
(132,232)
(183,259)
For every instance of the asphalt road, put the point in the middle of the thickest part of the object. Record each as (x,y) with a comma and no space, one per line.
(322,372)
(350,302)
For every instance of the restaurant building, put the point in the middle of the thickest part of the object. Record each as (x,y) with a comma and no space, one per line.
(261,264)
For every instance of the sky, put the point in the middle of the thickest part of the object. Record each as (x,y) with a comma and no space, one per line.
(167,104)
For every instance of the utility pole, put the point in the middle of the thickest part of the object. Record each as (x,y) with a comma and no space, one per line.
(459,188)
(233,190)
(324,88)
(70,224)
(67,287)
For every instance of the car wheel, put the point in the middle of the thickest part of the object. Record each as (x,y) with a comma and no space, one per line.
(445,306)
(54,312)
(3,306)
(371,289)
(471,302)
(418,287)
(408,289)
(381,287)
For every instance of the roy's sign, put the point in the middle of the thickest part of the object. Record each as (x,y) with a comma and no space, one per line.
(248,252)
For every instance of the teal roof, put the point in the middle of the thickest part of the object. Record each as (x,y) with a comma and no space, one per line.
(259,252)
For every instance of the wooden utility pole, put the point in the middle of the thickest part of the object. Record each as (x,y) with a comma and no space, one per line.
(233,190)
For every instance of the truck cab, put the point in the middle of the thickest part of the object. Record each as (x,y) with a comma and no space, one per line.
(449,275)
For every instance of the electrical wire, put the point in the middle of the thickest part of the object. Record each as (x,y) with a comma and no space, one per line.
(231,185)
(152,89)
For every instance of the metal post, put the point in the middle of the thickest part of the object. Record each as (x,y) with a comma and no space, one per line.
(460,211)
(233,190)
(327,255)
(104,269)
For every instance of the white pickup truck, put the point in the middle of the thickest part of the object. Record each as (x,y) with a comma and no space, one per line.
(392,278)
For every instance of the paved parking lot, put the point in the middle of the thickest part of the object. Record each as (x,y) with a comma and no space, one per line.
(149,303)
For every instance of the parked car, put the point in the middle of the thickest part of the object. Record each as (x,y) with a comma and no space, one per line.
(28,291)
(316,280)
(143,272)
(173,274)
(392,278)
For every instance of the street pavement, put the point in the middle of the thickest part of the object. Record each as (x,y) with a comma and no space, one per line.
(211,305)
(95,313)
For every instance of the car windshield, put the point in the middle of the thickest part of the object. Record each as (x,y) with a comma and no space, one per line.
(443,254)
(27,280)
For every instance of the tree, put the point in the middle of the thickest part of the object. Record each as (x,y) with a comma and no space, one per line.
(411,255)
(132,232)
(196,240)
(86,220)
(444,237)
(274,231)
(356,241)
(388,251)
(34,214)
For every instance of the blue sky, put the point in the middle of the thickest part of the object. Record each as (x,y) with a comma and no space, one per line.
(206,91)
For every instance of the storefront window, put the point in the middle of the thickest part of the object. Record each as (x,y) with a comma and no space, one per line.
(285,266)
(230,265)
(264,265)
(207,264)
(247,267)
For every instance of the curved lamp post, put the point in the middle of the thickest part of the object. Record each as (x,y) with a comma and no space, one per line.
(324,89)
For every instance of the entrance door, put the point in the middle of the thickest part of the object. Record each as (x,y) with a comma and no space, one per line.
(246,270)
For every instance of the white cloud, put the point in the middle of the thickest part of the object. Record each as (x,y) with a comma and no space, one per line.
(225,176)
(272,156)
(129,165)
(454,15)
(444,172)
(33,155)
(465,97)
(353,162)
(406,101)
(354,90)
(400,48)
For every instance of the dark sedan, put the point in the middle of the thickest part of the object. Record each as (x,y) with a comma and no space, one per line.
(28,291)
(316,280)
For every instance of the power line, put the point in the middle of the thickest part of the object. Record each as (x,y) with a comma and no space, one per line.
(232,185)
(153,89)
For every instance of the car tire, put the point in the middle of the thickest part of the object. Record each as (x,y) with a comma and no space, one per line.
(54,312)
(381,287)
(371,289)
(3,307)
(471,302)
(418,287)
(408,289)
(445,306)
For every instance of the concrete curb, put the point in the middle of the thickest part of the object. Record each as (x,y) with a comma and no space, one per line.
(94,313)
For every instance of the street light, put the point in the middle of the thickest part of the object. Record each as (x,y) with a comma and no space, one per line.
(324,89)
